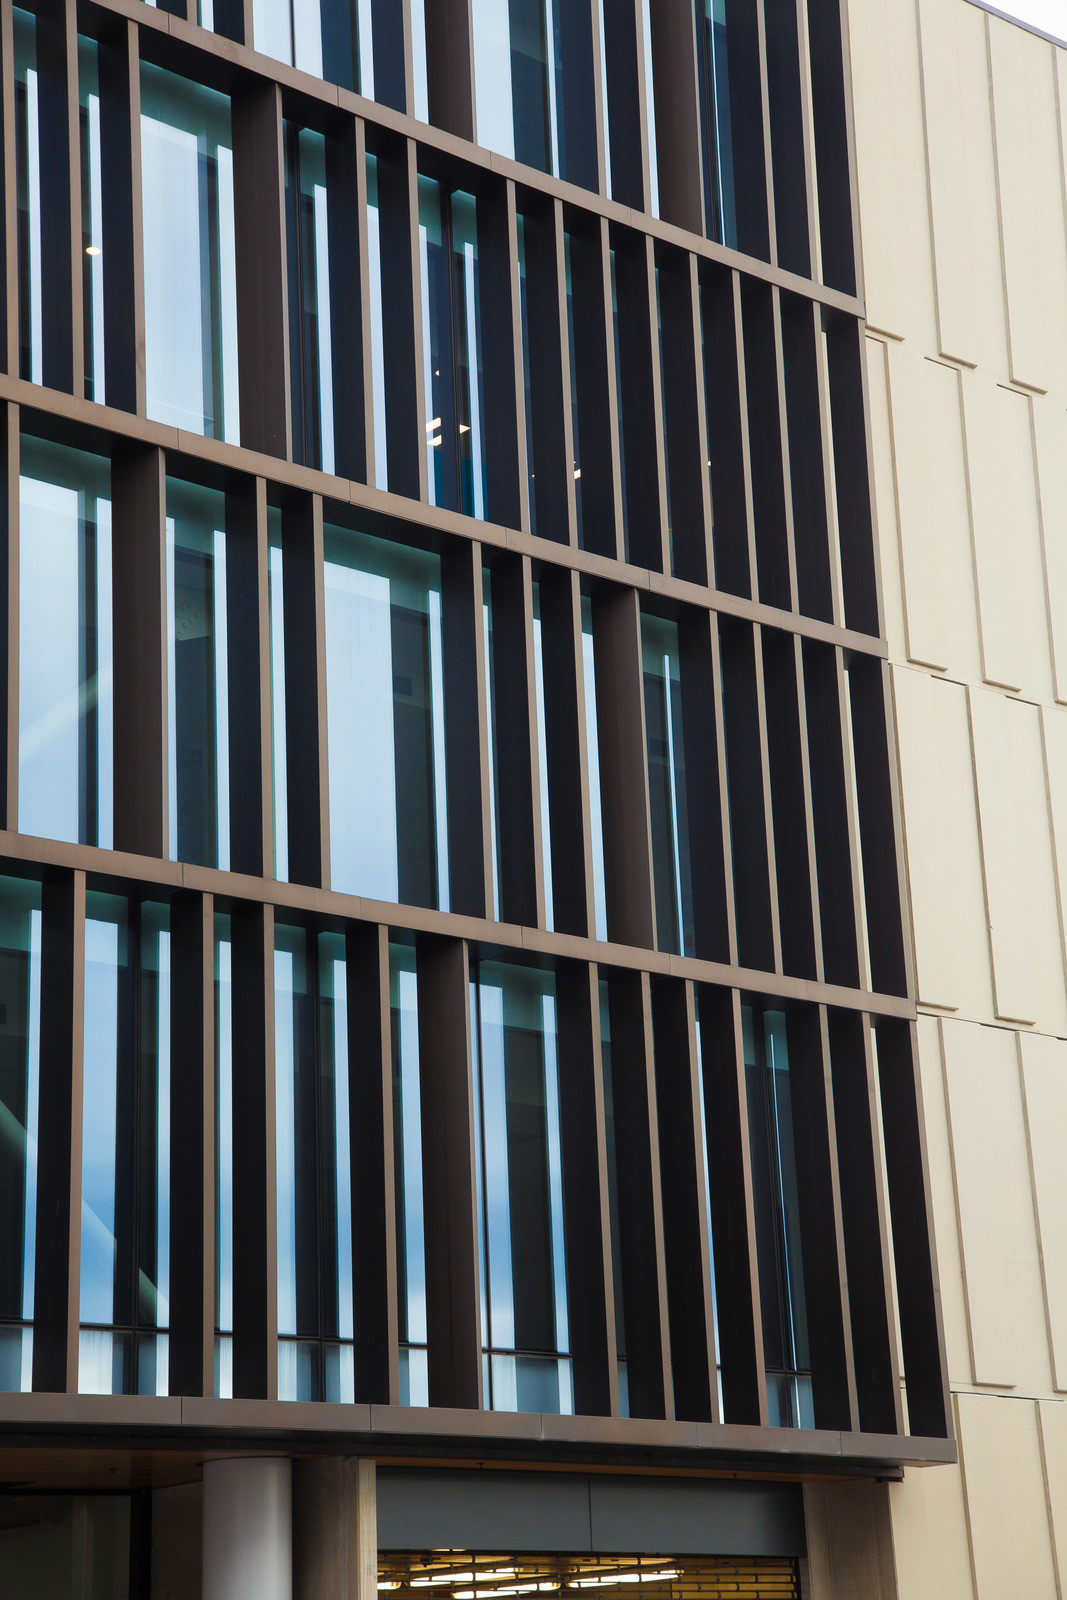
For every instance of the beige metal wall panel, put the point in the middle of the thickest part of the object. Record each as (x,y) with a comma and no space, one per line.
(891,149)
(942,844)
(943,1201)
(962,174)
(1031,203)
(1054,728)
(1011,1545)
(885,498)
(1019,868)
(1050,449)
(1044,1074)
(1001,1264)
(1052,1418)
(1007,537)
(933,1555)
(931,483)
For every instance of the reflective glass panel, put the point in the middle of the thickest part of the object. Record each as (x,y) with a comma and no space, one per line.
(716,137)
(592,745)
(125,1213)
(407,1160)
(777,1209)
(20,1038)
(279,755)
(520,1188)
(386,729)
(28,177)
(92,205)
(310,346)
(491,729)
(190,277)
(315,1322)
(518,75)
(223,1158)
(542,759)
(65,689)
(377,325)
(198,722)
(613,1194)
(452,355)
(665,752)
(329,38)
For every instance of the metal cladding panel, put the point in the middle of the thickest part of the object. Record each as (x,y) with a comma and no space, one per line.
(696,1516)
(419,1510)
(456,1510)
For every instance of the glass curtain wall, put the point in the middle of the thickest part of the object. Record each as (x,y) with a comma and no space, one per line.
(592,747)
(407,1165)
(223,1157)
(198,720)
(542,760)
(452,348)
(519,81)
(716,139)
(328,38)
(377,327)
(20,1039)
(315,1313)
(613,1196)
(65,639)
(190,275)
(125,1198)
(310,346)
(92,206)
(385,720)
(665,752)
(778,1242)
(520,1190)
(28,176)
(279,757)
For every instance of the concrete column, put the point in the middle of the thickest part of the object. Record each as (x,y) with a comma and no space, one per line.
(335,1530)
(248,1529)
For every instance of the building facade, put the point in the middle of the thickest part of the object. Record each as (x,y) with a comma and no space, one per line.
(960,118)
(460,1099)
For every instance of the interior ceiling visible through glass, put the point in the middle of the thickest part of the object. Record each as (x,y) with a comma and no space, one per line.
(461,1575)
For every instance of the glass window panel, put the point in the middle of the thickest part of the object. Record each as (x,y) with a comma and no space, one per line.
(28,178)
(310,345)
(542,760)
(716,136)
(518,76)
(377,325)
(313,1167)
(520,1188)
(198,721)
(223,1158)
(592,744)
(190,278)
(645,45)
(65,638)
(665,752)
(490,720)
(20,1036)
(125,1209)
(279,753)
(575,433)
(93,263)
(421,107)
(777,1215)
(613,1194)
(407,1156)
(452,360)
(620,409)
(386,731)
(702,1105)
(328,38)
